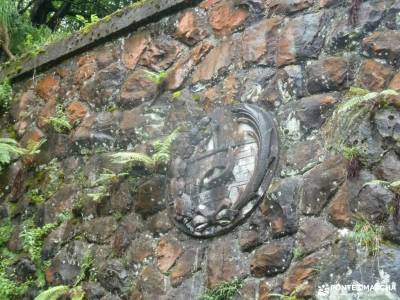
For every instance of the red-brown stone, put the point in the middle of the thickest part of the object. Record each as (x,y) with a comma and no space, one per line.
(48,87)
(299,278)
(179,72)
(271,259)
(339,211)
(184,266)
(167,252)
(189,30)
(87,66)
(224,18)
(225,262)
(161,53)
(261,39)
(133,49)
(395,83)
(384,44)
(373,75)
(137,89)
(76,111)
(207,4)
(219,58)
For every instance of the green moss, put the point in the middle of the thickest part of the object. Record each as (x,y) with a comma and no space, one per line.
(352,152)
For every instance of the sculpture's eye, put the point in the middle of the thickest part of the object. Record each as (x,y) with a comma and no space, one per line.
(226,173)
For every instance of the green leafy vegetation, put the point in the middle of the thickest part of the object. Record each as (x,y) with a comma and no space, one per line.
(5,95)
(176,95)
(350,153)
(35,196)
(292,296)
(108,177)
(157,77)
(353,158)
(298,252)
(55,292)
(6,230)
(161,154)
(26,27)
(356,107)
(9,148)
(367,235)
(394,186)
(88,270)
(60,121)
(89,23)
(224,291)
(32,239)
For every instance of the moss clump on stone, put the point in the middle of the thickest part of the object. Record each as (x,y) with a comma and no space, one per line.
(356,107)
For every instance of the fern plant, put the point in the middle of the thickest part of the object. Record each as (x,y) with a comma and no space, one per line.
(32,239)
(9,148)
(358,104)
(60,121)
(161,154)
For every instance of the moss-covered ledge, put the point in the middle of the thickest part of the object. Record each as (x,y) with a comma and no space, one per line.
(131,17)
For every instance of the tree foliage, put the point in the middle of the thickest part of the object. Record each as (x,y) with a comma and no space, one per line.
(28,25)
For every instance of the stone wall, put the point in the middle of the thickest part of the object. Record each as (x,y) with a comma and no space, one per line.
(296,58)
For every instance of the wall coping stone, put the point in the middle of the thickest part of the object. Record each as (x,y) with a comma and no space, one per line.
(118,23)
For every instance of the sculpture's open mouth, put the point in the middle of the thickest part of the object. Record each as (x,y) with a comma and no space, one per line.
(224,166)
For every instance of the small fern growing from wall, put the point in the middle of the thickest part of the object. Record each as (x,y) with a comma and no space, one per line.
(9,149)
(358,105)
(60,121)
(160,156)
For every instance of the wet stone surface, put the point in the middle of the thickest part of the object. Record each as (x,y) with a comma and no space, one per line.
(221,203)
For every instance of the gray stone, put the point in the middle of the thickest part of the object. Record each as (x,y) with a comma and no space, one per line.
(280,207)
(99,230)
(389,168)
(320,184)
(114,277)
(313,234)
(373,202)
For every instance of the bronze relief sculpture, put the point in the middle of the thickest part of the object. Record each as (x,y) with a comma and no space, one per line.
(221,169)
